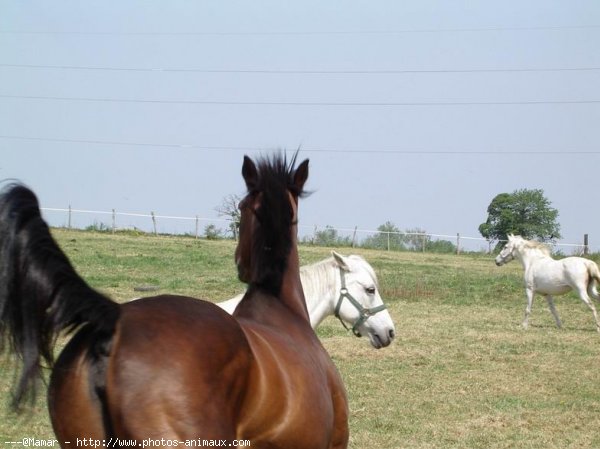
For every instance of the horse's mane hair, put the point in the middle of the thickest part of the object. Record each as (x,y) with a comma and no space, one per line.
(273,239)
(539,246)
(318,276)
(532,244)
(322,272)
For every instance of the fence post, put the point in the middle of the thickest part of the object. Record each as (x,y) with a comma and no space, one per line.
(197,225)
(586,248)
(354,236)
(153,222)
(457,243)
(70,216)
(114,221)
(388,240)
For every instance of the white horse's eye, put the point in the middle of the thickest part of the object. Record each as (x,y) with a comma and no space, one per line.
(370,290)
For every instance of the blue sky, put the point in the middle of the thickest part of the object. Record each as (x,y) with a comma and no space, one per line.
(414,112)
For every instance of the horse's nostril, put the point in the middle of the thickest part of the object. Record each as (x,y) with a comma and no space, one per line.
(392,334)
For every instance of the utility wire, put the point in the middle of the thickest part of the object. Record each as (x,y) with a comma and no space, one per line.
(300,72)
(303,149)
(301,32)
(299,103)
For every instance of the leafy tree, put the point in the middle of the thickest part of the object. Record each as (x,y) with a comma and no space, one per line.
(440,246)
(524,212)
(229,208)
(415,238)
(388,236)
(330,237)
(212,232)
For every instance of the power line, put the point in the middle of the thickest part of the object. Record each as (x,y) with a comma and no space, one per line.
(300,103)
(301,72)
(304,149)
(301,32)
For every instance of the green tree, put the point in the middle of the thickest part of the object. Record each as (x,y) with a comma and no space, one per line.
(387,237)
(415,238)
(212,232)
(330,237)
(524,212)
(440,246)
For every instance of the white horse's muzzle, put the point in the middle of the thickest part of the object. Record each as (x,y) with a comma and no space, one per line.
(501,259)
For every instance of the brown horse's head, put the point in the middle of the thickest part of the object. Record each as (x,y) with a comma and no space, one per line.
(268,219)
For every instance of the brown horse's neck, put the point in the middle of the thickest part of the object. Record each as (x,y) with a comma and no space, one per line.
(255,304)
(292,294)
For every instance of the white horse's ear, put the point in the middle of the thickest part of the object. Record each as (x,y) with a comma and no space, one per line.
(340,261)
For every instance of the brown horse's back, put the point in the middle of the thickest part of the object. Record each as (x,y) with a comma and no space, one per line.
(194,356)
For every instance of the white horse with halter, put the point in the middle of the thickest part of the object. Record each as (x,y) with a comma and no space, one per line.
(346,287)
(550,277)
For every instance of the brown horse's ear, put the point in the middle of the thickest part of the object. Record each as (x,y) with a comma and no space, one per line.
(301,175)
(249,173)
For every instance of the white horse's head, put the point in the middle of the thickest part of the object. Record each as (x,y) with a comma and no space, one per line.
(359,303)
(508,252)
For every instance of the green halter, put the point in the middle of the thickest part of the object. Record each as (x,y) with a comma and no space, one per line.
(363,313)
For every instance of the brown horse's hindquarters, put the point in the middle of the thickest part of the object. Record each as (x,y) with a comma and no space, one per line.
(177,369)
(75,393)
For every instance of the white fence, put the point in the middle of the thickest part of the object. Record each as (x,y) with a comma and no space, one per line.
(461,242)
(144,222)
(196,226)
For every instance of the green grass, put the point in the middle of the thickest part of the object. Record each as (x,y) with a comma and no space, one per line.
(461,373)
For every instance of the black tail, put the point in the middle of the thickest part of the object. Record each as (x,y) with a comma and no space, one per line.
(40,292)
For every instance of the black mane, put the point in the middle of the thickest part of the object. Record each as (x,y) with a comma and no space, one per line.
(273,241)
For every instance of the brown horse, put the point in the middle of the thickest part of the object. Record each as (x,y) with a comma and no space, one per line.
(170,370)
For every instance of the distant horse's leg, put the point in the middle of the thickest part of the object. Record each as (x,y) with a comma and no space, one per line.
(553,310)
(586,299)
(529,293)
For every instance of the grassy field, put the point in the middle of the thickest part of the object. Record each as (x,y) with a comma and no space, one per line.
(461,373)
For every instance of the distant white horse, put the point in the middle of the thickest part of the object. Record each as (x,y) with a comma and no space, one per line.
(549,277)
(347,288)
